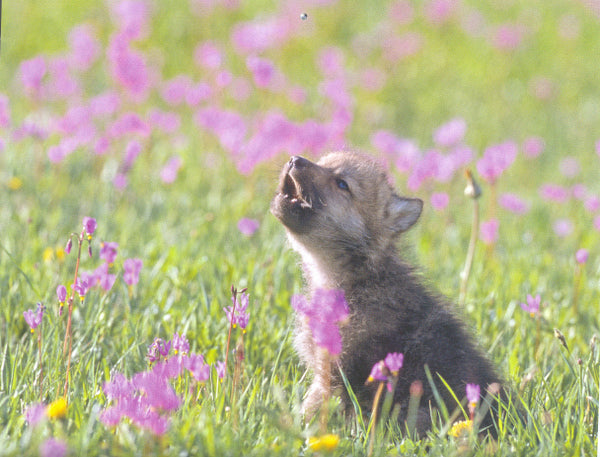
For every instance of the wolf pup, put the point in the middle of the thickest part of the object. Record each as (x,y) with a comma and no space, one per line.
(343,217)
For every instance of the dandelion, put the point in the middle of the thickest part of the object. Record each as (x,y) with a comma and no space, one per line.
(34,318)
(461,427)
(533,304)
(57,409)
(327,442)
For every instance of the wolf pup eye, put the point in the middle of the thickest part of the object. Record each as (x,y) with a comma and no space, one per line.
(342,184)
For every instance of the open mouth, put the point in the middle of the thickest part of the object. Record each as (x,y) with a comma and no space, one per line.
(292,191)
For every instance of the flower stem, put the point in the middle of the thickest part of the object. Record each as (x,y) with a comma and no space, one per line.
(470,254)
(326,372)
(41,377)
(68,337)
(374,418)
(234,293)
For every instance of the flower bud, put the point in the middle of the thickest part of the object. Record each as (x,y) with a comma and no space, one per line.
(69,246)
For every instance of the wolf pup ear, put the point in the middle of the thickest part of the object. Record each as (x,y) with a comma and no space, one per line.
(404,212)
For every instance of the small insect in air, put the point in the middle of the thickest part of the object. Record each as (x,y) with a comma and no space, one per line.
(304,16)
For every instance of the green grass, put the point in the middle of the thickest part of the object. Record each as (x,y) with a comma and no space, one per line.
(186,235)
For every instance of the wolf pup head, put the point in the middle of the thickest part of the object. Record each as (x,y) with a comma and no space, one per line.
(342,206)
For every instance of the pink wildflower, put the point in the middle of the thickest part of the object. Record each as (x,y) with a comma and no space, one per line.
(85,48)
(53,447)
(533,146)
(563,227)
(248,226)
(496,159)
(554,193)
(32,71)
(132,268)
(208,55)
(451,133)
(581,256)
(439,201)
(489,231)
(168,174)
(533,304)
(513,203)
(508,37)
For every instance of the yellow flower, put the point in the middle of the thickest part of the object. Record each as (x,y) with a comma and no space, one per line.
(48,255)
(460,427)
(14,183)
(57,409)
(60,254)
(326,442)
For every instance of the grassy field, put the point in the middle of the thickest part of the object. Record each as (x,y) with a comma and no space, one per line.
(168,122)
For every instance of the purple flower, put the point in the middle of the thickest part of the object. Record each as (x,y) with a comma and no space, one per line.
(533,146)
(473,393)
(159,348)
(157,391)
(35,413)
(394,361)
(263,71)
(166,121)
(169,171)
(569,167)
(450,133)
(197,367)
(53,448)
(4,111)
(581,256)
(438,12)
(496,159)
(32,71)
(221,369)
(89,224)
(240,317)
(104,278)
(489,231)
(563,227)
(34,318)
(175,90)
(439,201)
(325,311)
(554,193)
(132,268)
(533,304)
(69,246)
(513,203)
(81,287)
(597,223)
(85,48)
(208,55)
(108,251)
(61,293)
(128,67)
(378,372)
(248,226)
(508,37)
(180,344)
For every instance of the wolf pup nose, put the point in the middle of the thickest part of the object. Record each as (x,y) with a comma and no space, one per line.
(343,217)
